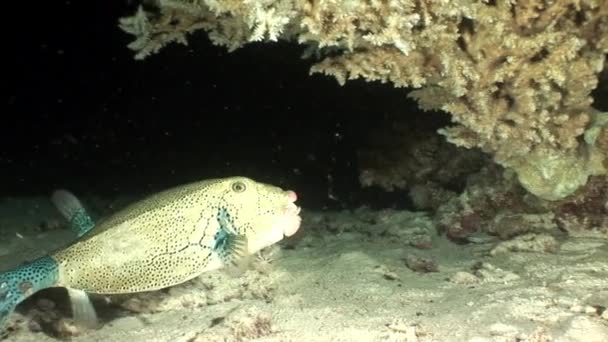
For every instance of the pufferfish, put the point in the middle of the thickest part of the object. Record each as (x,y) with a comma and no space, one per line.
(163,240)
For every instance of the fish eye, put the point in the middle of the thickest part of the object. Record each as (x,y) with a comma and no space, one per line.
(238,187)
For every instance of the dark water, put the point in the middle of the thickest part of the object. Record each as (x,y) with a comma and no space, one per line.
(82,114)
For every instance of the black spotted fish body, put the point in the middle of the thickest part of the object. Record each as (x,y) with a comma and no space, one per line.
(161,241)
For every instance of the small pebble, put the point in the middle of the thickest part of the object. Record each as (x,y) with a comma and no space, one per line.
(421,264)
(465,278)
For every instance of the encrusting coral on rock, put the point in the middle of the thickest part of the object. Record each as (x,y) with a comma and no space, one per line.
(515,76)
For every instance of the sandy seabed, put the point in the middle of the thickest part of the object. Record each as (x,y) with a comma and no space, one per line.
(357,275)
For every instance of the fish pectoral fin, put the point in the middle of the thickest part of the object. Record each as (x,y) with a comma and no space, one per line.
(233,250)
(83,311)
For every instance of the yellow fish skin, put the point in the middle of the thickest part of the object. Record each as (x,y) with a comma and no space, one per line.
(163,240)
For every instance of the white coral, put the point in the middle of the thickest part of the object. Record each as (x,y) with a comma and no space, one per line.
(396,32)
(267,19)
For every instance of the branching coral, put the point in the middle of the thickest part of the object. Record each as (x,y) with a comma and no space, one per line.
(516,76)
(230,23)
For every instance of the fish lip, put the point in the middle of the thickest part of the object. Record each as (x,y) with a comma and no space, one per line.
(291,195)
(292,209)
(292,219)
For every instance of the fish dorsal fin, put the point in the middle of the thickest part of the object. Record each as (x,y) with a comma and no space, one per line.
(72,210)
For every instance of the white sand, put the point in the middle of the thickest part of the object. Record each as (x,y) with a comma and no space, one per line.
(343,277)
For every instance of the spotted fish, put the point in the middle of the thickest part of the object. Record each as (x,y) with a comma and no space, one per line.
(161,241)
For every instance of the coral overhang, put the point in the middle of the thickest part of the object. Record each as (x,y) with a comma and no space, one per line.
(515,76)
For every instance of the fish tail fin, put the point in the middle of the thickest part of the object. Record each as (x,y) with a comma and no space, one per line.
(72,209)
(23,281)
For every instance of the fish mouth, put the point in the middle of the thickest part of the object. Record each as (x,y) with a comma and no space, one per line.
(284,223)
(291,219)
